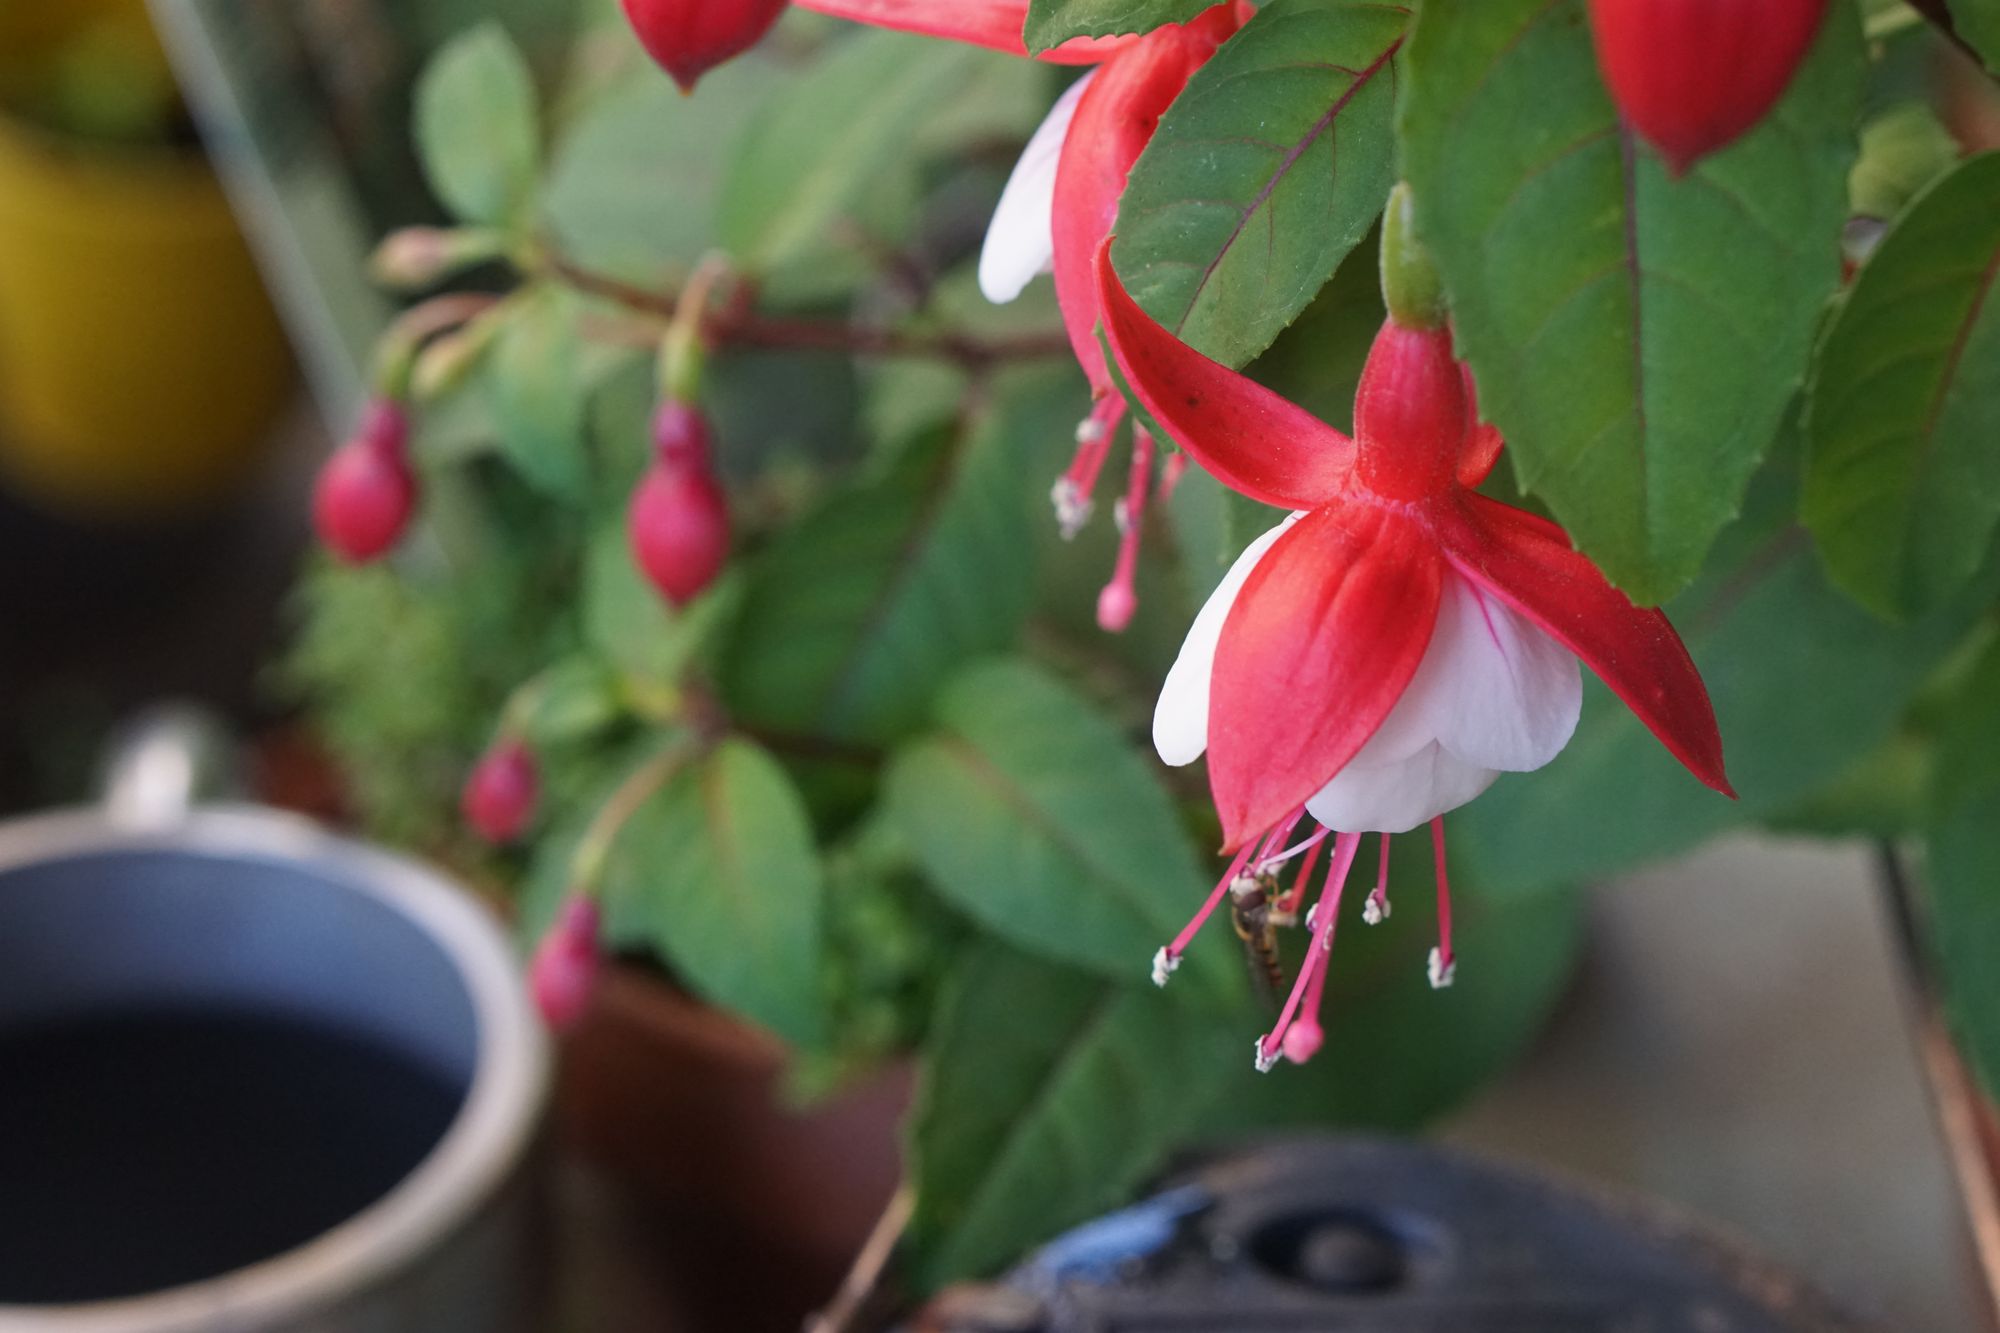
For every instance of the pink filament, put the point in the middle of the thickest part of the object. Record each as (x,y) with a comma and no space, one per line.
(1193,928)
(1120,597)
(1171,473)
(1081,476)
(1325,915)
(1306,868)
(1381,894)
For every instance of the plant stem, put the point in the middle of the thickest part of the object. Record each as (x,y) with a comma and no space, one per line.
(861,1289)
(593,850)
(737,324)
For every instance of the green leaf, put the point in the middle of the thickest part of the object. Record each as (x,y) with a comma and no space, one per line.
(1903,476)
(1053,22)
(1034,817)
(828,143)
(1903,150)
(630,625)
(538,393)
(1637,338)
(1978,22)
(571,701)
(856,616)
(477,128)
(1964,868)
(1804,683)
(634,183)
(1265,173)
(1047,1097)
(723,861)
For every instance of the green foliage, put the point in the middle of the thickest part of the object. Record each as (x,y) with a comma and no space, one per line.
(1035,819)
(724,862)
(1964,869)
(1264,175)
(537,394)
(1053,22)
(1903,478)
(478,130)
(1635,337)
(1978,22)
(853,620)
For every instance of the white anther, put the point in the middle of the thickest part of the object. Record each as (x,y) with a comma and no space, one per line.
(1376,910)
(1164,966)
(1072,508)
(1121,516)
(1089,431)
(1267,1060)
(1441,973)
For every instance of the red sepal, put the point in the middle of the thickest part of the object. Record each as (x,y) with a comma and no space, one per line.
(1114,123)
(1482,447)
(1321,643)
(1249,438)
(1529,564)
(992,23)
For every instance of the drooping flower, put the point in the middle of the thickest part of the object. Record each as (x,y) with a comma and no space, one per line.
(1379,657)
(678,520)
(1061,203)
(1692,75)
(563,974)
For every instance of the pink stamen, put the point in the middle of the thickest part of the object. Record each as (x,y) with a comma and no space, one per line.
(1169,958)
(1305,1036)
(1444,963)
(1306,845)
(1073,490)
(1325,914)
(1290,904)
(1376,911)
(1171,473)
(1120,597)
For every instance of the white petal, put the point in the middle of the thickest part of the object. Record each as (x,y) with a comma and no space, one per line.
(1397,797)
(1180,719)
(1499,692)
(1020,241)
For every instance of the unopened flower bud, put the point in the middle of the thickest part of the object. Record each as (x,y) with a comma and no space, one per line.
(563,974)
(691,37)
(365,494)
(679,529)
(1693,75)
(417,257)
(501,792)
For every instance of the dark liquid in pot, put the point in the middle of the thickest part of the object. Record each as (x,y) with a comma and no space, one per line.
(147,1151)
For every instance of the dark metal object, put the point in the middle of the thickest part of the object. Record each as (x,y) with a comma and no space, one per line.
(1363,1236)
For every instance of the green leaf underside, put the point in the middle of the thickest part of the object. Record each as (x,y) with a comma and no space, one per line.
(858,614)
(1264,175)
(1978,22)
(1637,338)
(1903,473)
(723,861)
(477,128)
(1049,1096)
(538,395)
(1964,868)
(822,148)
(1032,815)
(1762,624)
(1053,22)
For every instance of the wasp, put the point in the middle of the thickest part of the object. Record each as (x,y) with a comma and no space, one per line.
(1255,912)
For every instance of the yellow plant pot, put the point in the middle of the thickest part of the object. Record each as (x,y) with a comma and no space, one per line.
(141,364)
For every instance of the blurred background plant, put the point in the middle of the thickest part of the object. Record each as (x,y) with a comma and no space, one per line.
(882,789)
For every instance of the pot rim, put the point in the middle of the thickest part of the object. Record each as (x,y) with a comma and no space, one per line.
(494,1129)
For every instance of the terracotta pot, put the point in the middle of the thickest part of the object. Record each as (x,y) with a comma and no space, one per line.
(762,1205)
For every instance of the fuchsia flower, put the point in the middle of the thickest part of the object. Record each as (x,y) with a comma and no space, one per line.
(1379,657)
(1060,205)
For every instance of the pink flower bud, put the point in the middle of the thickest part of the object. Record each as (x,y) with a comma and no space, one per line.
(691,37)
(501,793)
(680,436)
(679,529)
(563,974)
(1693,75)
(366,492)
